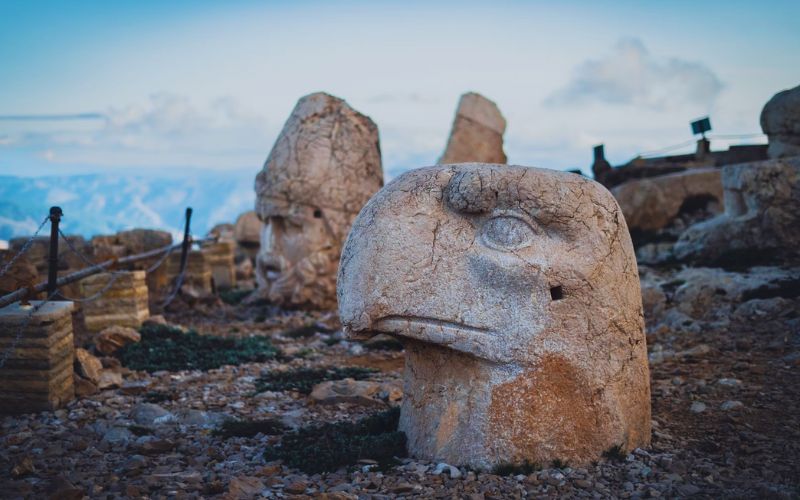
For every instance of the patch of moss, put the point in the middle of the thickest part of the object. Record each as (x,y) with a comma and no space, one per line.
(384,344)
(615,453)
(168,348)
(305,331)
(249,428)
(303,380)
(509,469)
(158,397)
(328,447)
(234,296)
(140,430)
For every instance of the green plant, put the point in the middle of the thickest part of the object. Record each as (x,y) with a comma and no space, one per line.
(509,469)
(168,348)
(234,296)
(249,428)
(303,380)
(615,453)
(328,447)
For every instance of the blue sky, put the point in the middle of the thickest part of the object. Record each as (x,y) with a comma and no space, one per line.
(160,87)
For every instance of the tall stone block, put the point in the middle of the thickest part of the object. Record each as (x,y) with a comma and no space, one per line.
(477,134)
(123,304)
(220,258)
(37,376)
(198,272)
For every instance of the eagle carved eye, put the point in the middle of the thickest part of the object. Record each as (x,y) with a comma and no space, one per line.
(507,233)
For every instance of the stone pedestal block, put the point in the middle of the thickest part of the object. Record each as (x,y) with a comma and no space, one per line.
(37,376)
(123,304)
(198,272)
(220,258)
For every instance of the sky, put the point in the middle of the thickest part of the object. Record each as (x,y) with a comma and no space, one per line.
(182,86)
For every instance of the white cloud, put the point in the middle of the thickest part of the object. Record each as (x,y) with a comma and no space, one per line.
(631,75)
(58,196)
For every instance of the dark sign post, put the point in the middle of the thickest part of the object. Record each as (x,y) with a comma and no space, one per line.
(52,267)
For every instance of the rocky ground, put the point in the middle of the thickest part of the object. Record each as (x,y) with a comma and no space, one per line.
(725,377)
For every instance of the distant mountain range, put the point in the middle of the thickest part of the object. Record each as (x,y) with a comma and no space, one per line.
(107,203)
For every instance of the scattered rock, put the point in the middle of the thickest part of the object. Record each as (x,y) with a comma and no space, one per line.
(113,338)
(698,407)
(149,414)
(87,365)
(244,487)
(731,405)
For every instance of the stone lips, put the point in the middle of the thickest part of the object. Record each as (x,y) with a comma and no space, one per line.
(516,293)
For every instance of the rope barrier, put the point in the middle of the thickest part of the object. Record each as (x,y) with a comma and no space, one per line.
(95,296)
(24,248)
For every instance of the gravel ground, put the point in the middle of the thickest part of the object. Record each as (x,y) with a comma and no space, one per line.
(725,395)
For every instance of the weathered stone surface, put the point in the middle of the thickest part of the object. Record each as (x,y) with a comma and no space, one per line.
(323,168)
(477,134)
(123,303)
(652,203)
(113,338)
(361,392)
(780,120)
(197,275)
(133,242)
(247,230)
(38,373)
(220,258)
(761,219)
(516,294)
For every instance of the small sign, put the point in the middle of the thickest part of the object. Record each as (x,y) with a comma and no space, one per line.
(701,126)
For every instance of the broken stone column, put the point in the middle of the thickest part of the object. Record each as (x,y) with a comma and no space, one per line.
(761,222)
(220,258)
(780,120)
(323,168)
(516,293)
(124,303)
(477,134)
(197,275)
(37,376)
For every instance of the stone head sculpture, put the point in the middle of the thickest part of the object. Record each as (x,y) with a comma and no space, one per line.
(516,293)
(323,168)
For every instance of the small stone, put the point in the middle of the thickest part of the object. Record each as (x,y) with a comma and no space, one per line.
(697,407)
(348,390)
(61,489)
(583,483)
(454,472)
(84,387)
(148,414)
(402,488)
(87,365)
(731,405)
(113,338)
(243,487)
(23,468)
(730,382)
(296,488)
(109,379)
(687,490)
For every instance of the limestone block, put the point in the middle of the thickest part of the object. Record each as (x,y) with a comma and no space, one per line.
(37,376)
(220,258)
(198,272)
(124,303)
(477,134)
(761,222)
(247,233)
(652,203)
(323,168)
(516,293)
(780,120)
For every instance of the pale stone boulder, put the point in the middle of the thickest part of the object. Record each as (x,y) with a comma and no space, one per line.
(114,338)
(780,120)
(323,168)
(516,294)
(761,222)
(477,134)
(652,203)
(247,231)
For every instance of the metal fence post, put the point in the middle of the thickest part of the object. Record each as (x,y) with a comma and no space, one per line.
(186,240)
(52,269)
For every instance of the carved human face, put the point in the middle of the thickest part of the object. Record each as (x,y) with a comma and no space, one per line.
(298,256)
(487,260)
